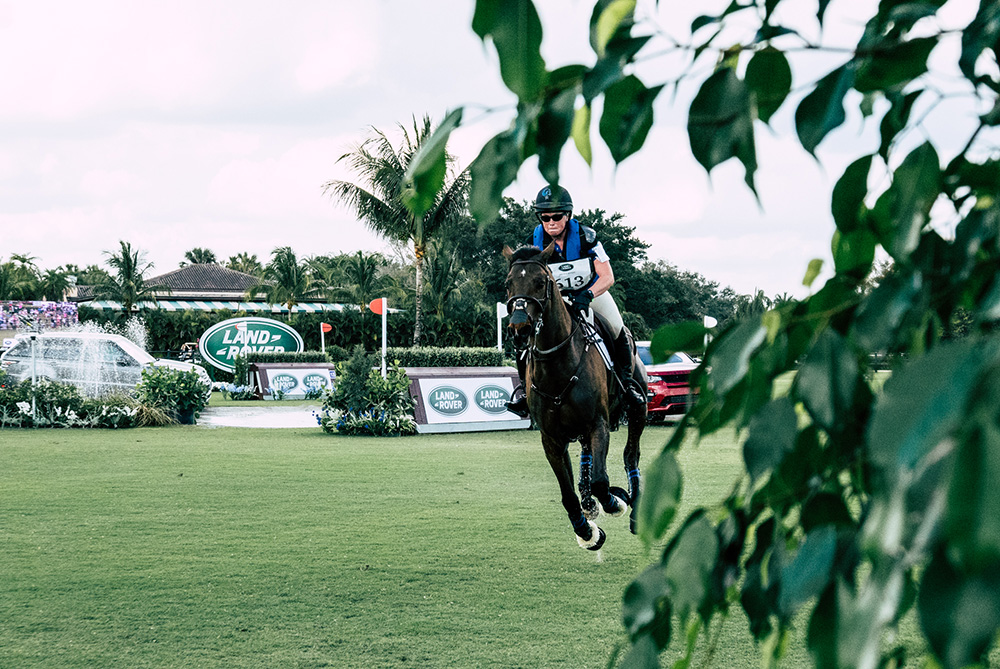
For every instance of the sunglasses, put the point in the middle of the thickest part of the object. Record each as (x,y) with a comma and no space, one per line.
(545,218)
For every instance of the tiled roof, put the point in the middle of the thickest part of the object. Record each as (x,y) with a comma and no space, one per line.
(205,277)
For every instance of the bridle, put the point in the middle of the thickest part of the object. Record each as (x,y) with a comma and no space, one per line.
(517,308)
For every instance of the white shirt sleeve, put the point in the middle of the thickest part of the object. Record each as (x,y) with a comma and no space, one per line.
(600,253)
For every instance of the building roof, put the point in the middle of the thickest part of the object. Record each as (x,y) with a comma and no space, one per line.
(205,277)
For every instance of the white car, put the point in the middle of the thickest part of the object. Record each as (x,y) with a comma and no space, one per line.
(94,362)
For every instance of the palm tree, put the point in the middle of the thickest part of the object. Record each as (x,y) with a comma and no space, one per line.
(198,256)
(127,282)
(285,280)
(246,263)
(15,282)
(378,201)
(446,277)
(53,284)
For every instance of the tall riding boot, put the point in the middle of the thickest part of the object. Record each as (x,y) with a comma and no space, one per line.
(518,402)
(624,365)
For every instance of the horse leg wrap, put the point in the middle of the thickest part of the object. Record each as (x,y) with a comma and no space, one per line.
(589,505)
(633,487)
(596,540)
(613,505)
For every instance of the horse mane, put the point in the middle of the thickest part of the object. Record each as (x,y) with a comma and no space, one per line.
(525,253)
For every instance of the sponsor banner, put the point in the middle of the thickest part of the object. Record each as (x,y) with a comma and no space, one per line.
(466,400)
(221,343)
(294,382)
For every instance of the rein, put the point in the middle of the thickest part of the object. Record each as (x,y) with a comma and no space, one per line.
(519,303)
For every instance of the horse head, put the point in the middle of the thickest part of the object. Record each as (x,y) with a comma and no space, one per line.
(530,287)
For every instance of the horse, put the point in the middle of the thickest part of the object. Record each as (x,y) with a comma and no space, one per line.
(570,394)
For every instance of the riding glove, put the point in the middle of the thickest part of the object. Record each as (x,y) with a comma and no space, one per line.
(582,300)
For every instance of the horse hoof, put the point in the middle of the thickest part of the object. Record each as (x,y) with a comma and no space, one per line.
(621,493)
(597,538)
(632,525)
(619,509)
(590,509)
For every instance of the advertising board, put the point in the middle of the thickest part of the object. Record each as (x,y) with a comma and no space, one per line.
(294,380)
(221,343)
(463,399)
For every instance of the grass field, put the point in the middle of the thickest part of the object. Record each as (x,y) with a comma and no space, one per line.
(198,547)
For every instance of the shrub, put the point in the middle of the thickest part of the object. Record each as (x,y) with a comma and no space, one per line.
(464,356)
(363,403)
(241,373)
(287,356)
(174,391)
(111,411)
(62,405)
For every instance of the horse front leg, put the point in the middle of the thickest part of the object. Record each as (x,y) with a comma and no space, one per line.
(588,535)
(636,424)
(611,499)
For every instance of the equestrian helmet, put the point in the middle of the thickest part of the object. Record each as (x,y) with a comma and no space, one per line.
(553,198)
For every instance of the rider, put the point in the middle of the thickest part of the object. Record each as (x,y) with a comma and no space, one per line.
(554,209)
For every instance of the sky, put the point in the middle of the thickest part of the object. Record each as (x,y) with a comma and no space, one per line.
(215,124)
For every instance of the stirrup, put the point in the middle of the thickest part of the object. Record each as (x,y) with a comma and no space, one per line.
(518,403)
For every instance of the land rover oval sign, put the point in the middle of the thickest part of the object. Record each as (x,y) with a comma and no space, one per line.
(222,342)
(448,400)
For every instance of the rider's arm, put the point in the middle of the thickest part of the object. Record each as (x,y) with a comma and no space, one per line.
(602,267)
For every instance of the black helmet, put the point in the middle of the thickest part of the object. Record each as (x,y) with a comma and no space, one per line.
(553,198)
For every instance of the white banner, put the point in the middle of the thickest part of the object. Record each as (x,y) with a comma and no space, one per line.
(467,400)
(294,382)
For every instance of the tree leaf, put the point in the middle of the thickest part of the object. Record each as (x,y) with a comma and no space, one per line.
(662,494)
(769,78)
(813,269)
(730,358)
(425,174)
(720,124)
(854,252)
(921,404)
(959,613)
(581,133)
(496,167)
(895,119)
(608,17)
(894,67)
(823,109)
(916,184)
(771,436)
(881,314)
(822,634)
(973,523)
(610,68)
(627,117)
(825,508)
(809,572)
(555,123)
(644,654)
(643,600)
(688,336)
(821,11)
(516,31)
(827,380)
(983,33)
(689,562)
(849,194)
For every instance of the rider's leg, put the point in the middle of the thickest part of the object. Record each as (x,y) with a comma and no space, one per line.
(622,355)
(518,402)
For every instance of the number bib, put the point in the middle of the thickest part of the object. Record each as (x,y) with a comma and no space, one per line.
(573,275)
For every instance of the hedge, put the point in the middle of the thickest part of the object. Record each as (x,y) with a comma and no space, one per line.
(427,356)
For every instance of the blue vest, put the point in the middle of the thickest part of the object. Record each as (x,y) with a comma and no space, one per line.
(572,250)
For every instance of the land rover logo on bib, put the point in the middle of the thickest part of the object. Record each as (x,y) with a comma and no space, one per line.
(222,342)
(448,401)
(492,399)
(566,267)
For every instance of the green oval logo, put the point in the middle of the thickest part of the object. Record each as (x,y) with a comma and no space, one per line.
(448,401)
(222,342)
(492,399)
(284,382)
(314,381)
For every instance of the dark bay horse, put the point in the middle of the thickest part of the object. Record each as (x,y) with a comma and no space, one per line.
(570,394)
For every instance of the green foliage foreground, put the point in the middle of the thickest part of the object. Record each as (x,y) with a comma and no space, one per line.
(867,508)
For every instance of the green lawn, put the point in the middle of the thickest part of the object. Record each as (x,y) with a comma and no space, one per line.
(196,547)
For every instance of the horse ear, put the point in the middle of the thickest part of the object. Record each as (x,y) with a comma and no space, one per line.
(508,252)
(549,250)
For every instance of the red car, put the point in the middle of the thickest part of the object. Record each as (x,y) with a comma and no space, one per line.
(669,391)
